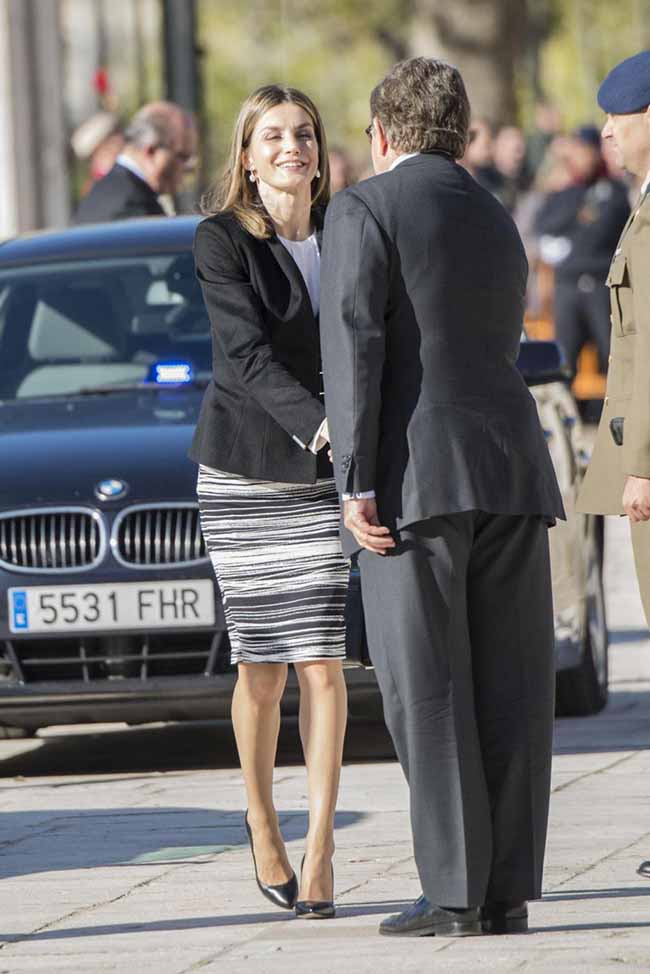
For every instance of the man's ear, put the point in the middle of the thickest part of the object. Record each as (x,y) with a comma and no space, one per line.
(380,132)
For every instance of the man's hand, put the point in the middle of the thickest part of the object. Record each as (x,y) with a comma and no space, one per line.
(636,498)
(360,517)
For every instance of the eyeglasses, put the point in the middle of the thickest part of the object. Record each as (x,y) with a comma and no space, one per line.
(369,130)
(188,160)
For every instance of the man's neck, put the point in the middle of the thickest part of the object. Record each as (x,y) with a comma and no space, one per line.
(402,157)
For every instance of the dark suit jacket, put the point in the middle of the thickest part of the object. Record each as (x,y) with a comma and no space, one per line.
(264,403)
(592,219)
(423,281)
(118,195)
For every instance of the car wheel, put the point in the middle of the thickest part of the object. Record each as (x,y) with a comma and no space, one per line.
(16,733)
(583,689)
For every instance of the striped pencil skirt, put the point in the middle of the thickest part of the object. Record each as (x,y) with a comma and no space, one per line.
(276,554)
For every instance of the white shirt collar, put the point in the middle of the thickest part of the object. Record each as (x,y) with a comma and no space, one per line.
(127,163)
(402,158)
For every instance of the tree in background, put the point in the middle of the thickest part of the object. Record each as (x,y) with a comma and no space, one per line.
(484,39)
(512,53)
(589,38)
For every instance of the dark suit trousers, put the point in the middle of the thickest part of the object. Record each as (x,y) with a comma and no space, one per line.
(582,316)
(460,631)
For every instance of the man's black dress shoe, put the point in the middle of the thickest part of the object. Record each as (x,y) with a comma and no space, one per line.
(423,919)
(315,909)
(504,916)
(283,895)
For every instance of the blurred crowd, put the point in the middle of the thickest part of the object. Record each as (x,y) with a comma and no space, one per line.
(564,189)
(570,201)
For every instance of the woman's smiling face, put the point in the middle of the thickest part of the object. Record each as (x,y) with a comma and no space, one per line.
(283,150)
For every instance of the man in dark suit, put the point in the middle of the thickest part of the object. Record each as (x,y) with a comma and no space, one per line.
(159,150)
(448,491)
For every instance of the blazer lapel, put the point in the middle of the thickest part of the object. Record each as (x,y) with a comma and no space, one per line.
(299,294)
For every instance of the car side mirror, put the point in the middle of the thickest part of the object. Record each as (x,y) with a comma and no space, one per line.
(542,362)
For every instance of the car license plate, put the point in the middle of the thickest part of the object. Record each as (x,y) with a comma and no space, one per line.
(128,605)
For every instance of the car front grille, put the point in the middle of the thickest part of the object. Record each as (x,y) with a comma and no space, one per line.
(153,535)
(91,659)
(51,539)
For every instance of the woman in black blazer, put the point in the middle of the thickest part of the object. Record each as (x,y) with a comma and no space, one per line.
(269,507)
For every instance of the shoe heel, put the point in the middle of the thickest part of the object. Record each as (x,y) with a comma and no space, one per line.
(504,925)
(284,895)
(459,928)
(314,909)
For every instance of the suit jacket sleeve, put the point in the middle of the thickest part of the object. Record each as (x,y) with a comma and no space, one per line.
(355,278)
(636,434)
(242,335)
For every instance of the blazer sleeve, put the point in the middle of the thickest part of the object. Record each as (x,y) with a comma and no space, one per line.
(355,280)
(636,433)
(242,335)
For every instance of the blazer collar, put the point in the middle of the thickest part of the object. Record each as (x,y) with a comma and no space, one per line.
(421,158)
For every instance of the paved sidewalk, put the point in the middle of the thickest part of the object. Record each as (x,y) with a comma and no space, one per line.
(150,872)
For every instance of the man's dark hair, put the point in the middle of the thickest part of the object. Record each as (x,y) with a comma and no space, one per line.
(423,106)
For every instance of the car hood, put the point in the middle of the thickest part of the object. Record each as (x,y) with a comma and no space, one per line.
(57,450)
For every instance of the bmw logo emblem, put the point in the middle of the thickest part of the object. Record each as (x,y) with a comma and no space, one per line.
(111,490)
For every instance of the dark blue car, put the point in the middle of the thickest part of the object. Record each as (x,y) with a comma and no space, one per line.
(108,606)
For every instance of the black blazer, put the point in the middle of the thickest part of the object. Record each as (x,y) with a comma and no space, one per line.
(264,403)
(118,195)
(423,281)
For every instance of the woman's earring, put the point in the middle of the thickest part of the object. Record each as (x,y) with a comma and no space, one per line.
(318,174)
(251,176)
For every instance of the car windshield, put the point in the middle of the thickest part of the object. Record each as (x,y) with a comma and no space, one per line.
(72,328)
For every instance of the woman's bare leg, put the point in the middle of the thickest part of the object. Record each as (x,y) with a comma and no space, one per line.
(323,718)
(256,722)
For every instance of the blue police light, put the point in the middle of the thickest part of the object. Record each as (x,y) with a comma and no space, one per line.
(171,373)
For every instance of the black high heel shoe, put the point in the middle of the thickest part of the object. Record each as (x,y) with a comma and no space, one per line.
(315,909)
(285,894)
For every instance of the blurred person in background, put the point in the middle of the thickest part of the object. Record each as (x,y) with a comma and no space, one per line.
(98,142)
(478,158)
(578,228)
(509,157)
(342,172)
(553,174)
(160,146)
(547,126)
